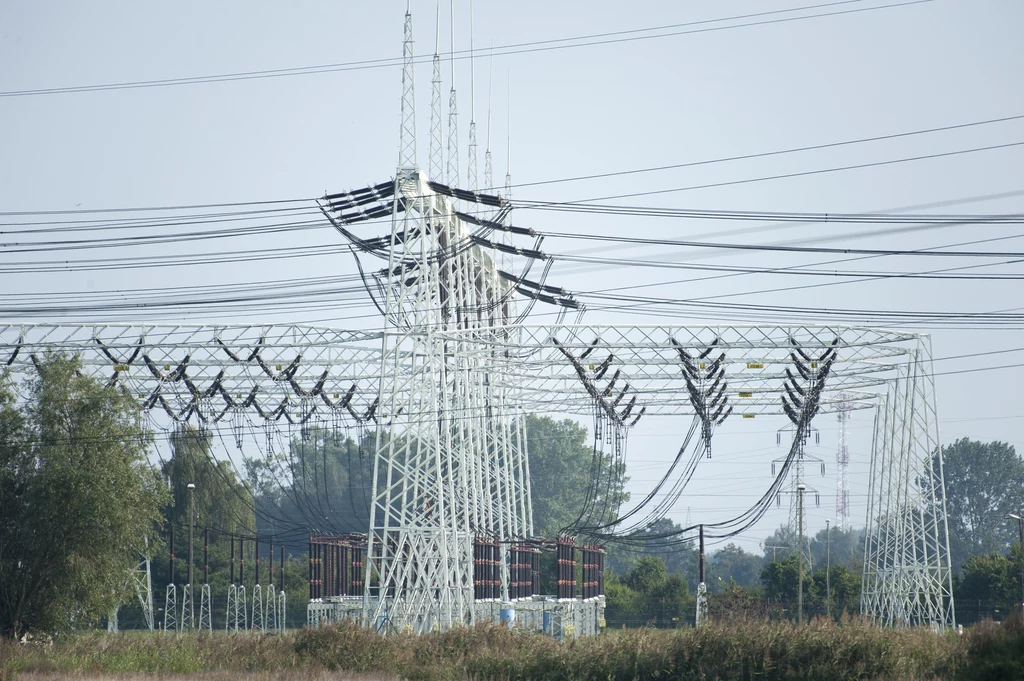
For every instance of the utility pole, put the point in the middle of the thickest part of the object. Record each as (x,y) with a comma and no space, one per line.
(191,522)
(828,567)
(1020,526)
(800,552)
(702,589)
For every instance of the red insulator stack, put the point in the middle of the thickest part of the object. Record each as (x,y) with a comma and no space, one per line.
(486,569)
(356,585)
(345,569)
(336,566)
(566,550)
(534,571)
(520,568)
(593,571)
(478,569)
(309,553)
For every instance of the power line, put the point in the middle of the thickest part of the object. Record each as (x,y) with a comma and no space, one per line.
(766,154)
(498,51)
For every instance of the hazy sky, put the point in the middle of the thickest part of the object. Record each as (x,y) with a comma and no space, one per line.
(696,90)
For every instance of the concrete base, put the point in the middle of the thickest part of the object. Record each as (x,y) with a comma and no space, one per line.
(561,619)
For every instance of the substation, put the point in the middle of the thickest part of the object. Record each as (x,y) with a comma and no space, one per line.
(447,384)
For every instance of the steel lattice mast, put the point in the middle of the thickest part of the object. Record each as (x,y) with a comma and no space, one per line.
(448,382)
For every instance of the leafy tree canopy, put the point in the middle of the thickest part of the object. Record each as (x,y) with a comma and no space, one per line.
(648,594)
(733,565)
(567,481)
(984,482)
(77,499)
(988,583)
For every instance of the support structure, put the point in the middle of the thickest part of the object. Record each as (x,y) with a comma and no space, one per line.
(907,577)
(447,384)
(702,588)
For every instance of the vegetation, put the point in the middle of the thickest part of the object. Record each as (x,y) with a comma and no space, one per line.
(733,650)
(77,499)
(989,586)
(984,482)
(648,595)
(563,471)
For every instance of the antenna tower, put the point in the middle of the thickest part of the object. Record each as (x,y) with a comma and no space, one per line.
(472,105)
(453,116)
(407,134)
(436,144)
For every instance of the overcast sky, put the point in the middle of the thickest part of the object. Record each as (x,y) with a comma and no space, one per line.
(699,88)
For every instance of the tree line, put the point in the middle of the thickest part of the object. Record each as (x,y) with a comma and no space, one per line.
(82,498)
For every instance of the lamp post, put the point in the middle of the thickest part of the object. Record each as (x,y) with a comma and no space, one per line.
(1020,526)
(828,567)
(191,522)
(800,552)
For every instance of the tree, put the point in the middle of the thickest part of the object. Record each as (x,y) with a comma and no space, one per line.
(781,580)
(219,499)
(781,585)
(733,565)
(678,557)
(568,482)
(845,546)
(984,482)
(989,585)
(77,498)
(648,595)
(325,483)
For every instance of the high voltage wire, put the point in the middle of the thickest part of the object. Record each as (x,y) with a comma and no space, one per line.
(500,50)
(764,154)
(806,173)
(583,205)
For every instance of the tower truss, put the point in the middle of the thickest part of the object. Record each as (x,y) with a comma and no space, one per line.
(446,385)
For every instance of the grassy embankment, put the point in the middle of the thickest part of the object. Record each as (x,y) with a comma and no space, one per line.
(751,650)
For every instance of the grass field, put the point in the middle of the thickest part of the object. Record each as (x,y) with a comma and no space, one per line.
(745,650)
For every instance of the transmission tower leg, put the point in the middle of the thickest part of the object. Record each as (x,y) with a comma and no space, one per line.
(282,609)
(186,623)
(229,611)
(257,609)
(271,609)
(907,578)
(241,611)
(205,618)
(171,609)
(144,590)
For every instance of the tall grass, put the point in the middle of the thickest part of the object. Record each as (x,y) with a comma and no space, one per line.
(736,650)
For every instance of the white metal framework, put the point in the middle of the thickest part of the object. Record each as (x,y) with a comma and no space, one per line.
(448,382)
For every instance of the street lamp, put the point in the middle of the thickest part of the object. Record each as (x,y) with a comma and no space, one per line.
(191,522)
(1020,526)
(800,552)
(828,567)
